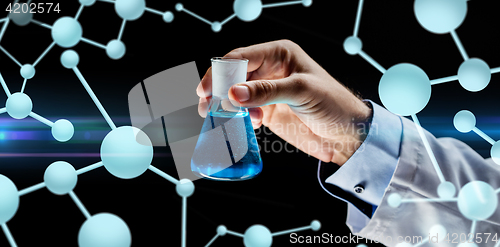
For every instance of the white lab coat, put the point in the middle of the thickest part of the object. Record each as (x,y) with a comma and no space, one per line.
(415,177)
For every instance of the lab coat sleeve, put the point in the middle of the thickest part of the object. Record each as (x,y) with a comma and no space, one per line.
(416,178)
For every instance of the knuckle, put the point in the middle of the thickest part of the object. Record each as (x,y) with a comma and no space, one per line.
(235,53)
(265,89)
(287,43)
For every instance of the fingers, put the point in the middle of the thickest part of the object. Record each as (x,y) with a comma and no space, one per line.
(204,89)
(256,115)
(291,90)
(203,106)
(271,60)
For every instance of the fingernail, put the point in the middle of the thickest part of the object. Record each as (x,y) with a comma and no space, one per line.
(241,92)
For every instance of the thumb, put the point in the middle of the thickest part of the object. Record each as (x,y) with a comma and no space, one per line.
(290,90)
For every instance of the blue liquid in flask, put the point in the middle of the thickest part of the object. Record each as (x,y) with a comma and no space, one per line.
(227,148)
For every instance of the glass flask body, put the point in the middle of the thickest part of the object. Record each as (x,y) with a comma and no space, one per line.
(227,147)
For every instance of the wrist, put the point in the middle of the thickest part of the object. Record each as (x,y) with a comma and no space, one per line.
(359,128)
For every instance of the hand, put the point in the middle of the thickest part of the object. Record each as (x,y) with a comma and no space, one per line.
(288,92)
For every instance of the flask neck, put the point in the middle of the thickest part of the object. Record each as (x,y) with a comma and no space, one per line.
(223,106)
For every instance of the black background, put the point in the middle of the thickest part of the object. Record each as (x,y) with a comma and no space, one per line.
(287,194)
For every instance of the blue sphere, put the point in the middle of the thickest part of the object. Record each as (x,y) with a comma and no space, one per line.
(27,71)
(179,7)
(221,230)
(126,152)
(307,3)
(477,200)
(446,190)
(361,245)
(440,16)
(21,19)
(66,32)
(315,225)
(115,49)
(467,244)
(495,152)
(185,188)
(403,244)
(87,2)
(9,199)
(104,230)
(216,26)
(439,231)
(19,105)
(168,16)
(257,236)
(404,89)
(394,200)
(130,9)
(62,130)
(60,178)
(474,74)
(70,59)
(464,121)
(247,10)
(353,45)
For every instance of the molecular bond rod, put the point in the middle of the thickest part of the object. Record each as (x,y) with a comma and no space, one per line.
(292,230)
(42,185)
(473,228)
(444,79)
(196,16)
(228,19)
(184,209)
(212,240)
(24,85)
(28,2)
(3,110)
(358,18)
(79,204)
(428,147)
(122,28)
(271,5)
(39,23)
(495,70)
(483,135)
(32,189)
(4,85)
(44,53)
(88,41)
(94,98)
(3,19)
(429,200)
(107,1)
(154,11)
(459,45)
(41,119)
(498,244)
(372,61)
(235,234)
(89,168)
(79,11)
(9,235)
(497,191)
(4,27)
(10,56)
(164,175)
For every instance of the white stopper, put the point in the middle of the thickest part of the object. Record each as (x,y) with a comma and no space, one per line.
(227,72)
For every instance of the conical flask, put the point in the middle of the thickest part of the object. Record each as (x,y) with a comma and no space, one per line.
(227,148)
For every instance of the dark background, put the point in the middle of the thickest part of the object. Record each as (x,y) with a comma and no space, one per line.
(287,194)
